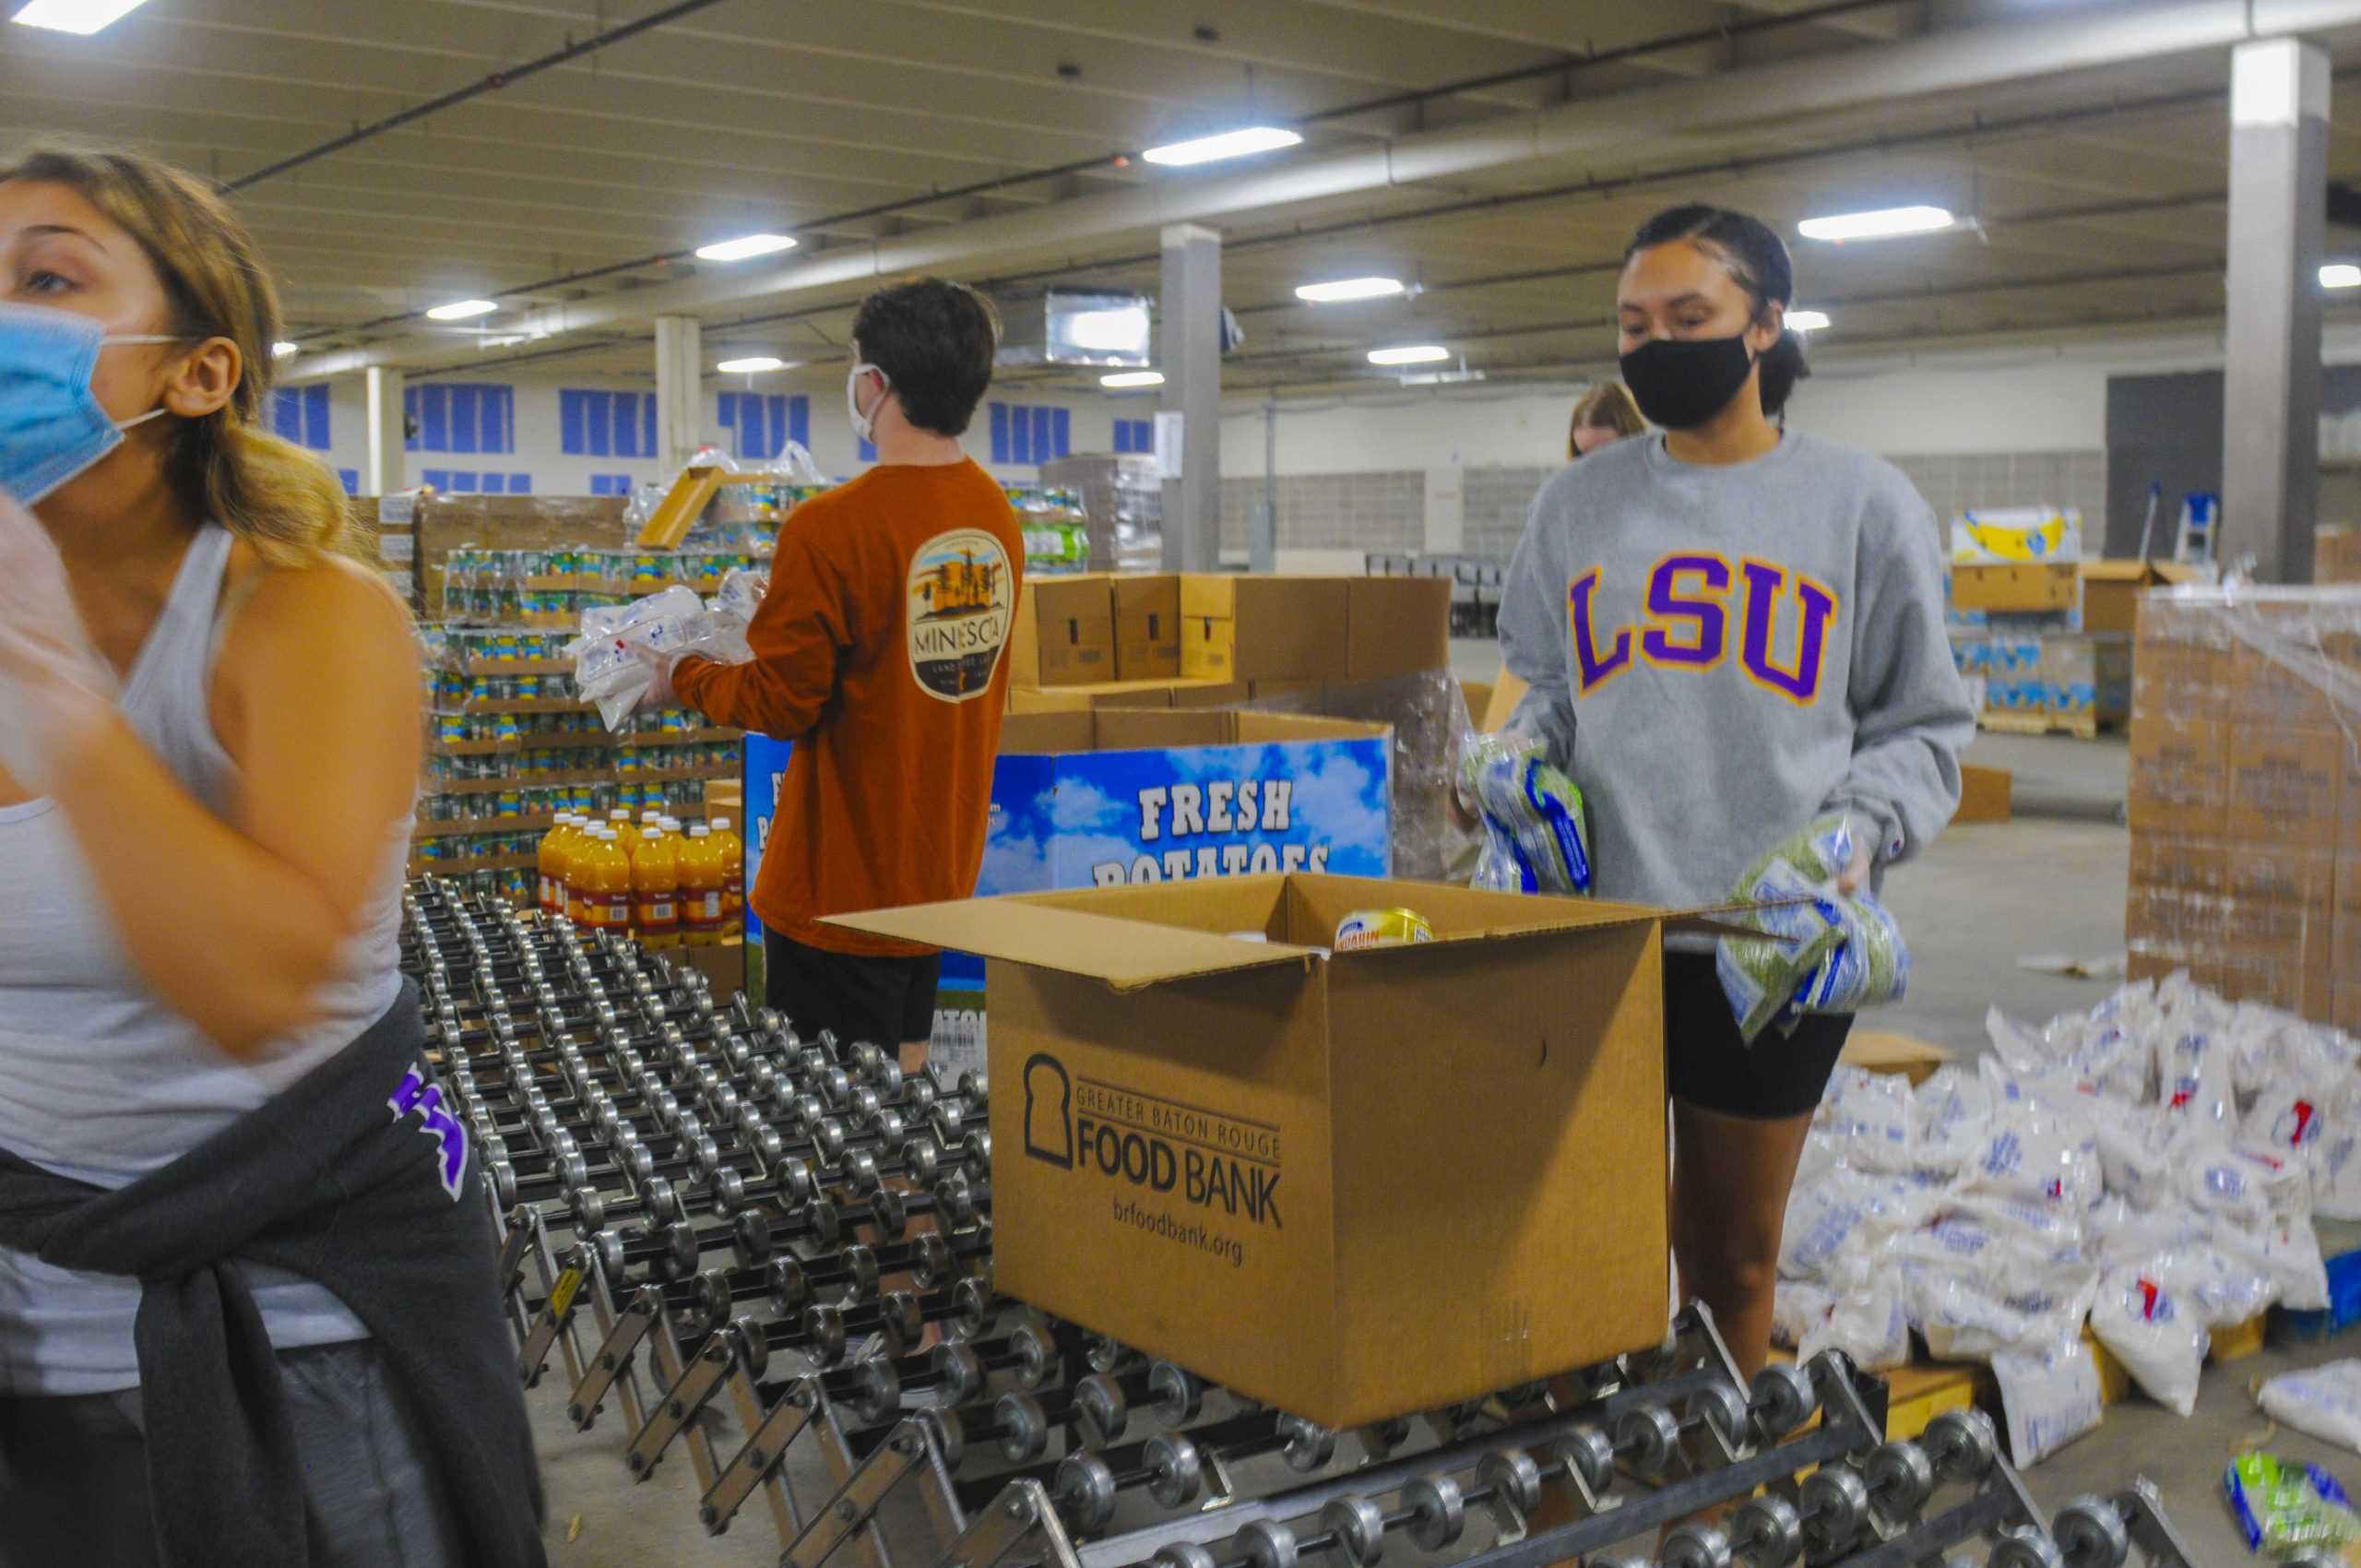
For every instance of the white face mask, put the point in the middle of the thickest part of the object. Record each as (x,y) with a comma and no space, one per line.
(862,425)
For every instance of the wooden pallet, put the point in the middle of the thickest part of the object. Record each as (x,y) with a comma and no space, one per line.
(2081,726)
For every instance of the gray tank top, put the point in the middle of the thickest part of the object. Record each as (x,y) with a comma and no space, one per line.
(102,1082)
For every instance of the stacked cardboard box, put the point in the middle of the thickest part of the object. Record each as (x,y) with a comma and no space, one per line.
(1103,630)
(2336,555)
(2245,795)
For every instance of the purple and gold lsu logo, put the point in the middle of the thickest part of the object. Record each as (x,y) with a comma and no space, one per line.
(415,1095)
(1701,607)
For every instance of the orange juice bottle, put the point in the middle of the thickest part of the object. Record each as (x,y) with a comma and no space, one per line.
(734,872)
(577,869)
(619,820)
(703,889)
(549,861)
(607,884)
(655,887)
(574,828)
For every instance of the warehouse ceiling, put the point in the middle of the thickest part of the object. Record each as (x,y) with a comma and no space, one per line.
(2095,194)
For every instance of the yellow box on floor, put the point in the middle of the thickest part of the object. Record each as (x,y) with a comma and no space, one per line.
(1351,1186)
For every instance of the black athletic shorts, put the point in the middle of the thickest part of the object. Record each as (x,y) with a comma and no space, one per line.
(862,1001)
(1707,1066)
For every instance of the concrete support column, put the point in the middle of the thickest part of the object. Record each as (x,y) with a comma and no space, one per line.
(388,470)
(680,388)
(1189,352)
(2279,90)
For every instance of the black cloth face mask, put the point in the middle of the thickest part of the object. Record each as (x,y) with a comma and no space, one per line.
(1680,382)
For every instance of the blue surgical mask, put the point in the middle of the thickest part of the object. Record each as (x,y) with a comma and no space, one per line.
(50,424)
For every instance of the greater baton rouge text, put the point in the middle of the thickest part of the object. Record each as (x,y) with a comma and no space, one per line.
(1211,1161)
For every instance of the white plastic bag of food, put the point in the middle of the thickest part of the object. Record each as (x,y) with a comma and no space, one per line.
(1951,1111)
(2323,1401)
(2136,1156)
(2049,1396)
(1961,1314)
(1869,1114)
(1869,1325)
(2287,1253)
(608,672)
(2036,1155)
(2195,1080)
(2160,1338)
(1798,1307)
(2246,1186)
(1844,1221)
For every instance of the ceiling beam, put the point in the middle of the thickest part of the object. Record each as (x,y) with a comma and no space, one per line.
(1671,118)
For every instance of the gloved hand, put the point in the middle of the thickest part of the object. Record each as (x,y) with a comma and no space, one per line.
(54,690)
(660,663)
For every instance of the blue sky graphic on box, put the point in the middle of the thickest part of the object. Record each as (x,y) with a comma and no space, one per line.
(1086,819)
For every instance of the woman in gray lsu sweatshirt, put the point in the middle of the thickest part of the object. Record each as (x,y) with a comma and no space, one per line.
(1728,630)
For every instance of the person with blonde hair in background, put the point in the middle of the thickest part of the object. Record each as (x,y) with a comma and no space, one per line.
(247,1306)
(1602,415)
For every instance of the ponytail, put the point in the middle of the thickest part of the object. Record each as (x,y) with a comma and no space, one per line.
(1782,366)
(269,491)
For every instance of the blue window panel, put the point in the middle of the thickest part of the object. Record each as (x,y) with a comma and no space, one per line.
(648,426)
(499,429)
(599,484)
(315,416)
(287,413)
(599,426)
(569,421)
(463,480)
(798,422)
(999,432)
(436,479)
(1020,435)
(1041,436)
(730,410)
(434,417)
(1122,435)
(869,451)
(350,479)
(1060,431)
(466,419)
(410,418)
(520,484)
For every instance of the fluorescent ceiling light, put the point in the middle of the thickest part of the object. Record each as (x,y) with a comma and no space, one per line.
(746,245)
(752,364)
(1807,320)
(1417,353)
(1345,289)
(459,310)
(2341,275)
(1884,223)
(1133,378)
(73,16)
(1228,144)
(281,348)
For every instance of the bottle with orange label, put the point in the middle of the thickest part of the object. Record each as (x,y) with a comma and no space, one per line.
(619,821)
(655,887)
(577,833)
(606,890)
(548,858)
(702,889)
(734,870)
(577,852)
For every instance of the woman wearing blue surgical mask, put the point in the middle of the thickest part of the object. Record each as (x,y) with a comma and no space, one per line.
(246,1309)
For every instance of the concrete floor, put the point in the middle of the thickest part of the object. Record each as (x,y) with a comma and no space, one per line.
(1981,897)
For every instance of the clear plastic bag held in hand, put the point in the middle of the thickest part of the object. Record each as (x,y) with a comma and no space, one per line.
(1821,951)
(1535,837)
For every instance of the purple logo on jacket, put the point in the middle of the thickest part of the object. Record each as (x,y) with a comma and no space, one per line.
(416,1094)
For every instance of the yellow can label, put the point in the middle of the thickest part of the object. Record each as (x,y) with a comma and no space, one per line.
(1382,928)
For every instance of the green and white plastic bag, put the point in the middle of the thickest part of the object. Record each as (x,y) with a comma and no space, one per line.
(1535,840)
(1821,951)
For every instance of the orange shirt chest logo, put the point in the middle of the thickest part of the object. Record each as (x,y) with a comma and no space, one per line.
(961,593)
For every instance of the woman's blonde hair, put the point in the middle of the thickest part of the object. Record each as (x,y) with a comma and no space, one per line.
(1610,404)
(227,467)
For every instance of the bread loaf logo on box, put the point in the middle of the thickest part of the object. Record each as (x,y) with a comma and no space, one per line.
(960,596)
(1226,1166)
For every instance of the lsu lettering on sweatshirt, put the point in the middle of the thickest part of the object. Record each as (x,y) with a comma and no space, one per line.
(1719,654)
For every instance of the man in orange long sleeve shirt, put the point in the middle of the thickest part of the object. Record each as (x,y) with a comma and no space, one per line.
(877,651)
